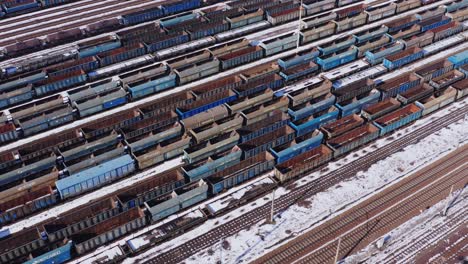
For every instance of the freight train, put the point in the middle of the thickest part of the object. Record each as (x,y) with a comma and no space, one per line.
(157,77)
(234,143)
(228,131)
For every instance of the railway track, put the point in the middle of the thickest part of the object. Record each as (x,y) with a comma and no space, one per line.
(424,242)
(452,249)
(401,212)
(191,247)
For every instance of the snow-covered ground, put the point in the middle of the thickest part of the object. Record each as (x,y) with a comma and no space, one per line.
(258,240)
(412,231)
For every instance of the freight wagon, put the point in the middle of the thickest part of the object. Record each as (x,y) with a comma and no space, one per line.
(313,106)
(377,55)
(271,139)
(356,105)
(462,88)
(244,103)
(339,58)
(356,89)
(433,103)
(398,118)
(434,69)
(459,59)
(370,34)
(317,6)
(401,58)
(380,11)
(303,163)
(279,44)
(309,92)
(273,121)
(446,79)
(416,93)
(341,126)
(353,139)
(181,198)
(419,40)
(397,85)
(300,145)
(298,59)
(317,32)
(381,108)
(309,124)
(447,30)
(241,172)
(95,177)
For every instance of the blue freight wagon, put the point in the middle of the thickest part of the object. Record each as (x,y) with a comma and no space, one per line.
(370,34)
(185,113)
(86,64)
(241,172)
(121,54)
(456,5)
(27,170)
(290,150)
(95,177)
(44,120)
(8,132)
(23,80)
(16,96)
(459,59)
(397,85)
(269,140)
(202,170)
(179,6)
(94,46)
(58,83)
(311,109)
(56,256)
(173,21)
(11,7)
(402,58)
(142,16)
(376,56)
(180,199)
(336,45)
(434,23)
(356,106)
(398,118)
(299,71)
(151,85)
(307,125)
(334,60)
(298,59)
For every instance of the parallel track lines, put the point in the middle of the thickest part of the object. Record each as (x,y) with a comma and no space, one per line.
(365,234)
(332,229)
(191,247)
(423,242)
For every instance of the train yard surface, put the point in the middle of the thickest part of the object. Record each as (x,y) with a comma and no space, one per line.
(162,131)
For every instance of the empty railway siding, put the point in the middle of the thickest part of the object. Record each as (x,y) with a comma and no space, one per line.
(362,224)
(426,243)
(191,247)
